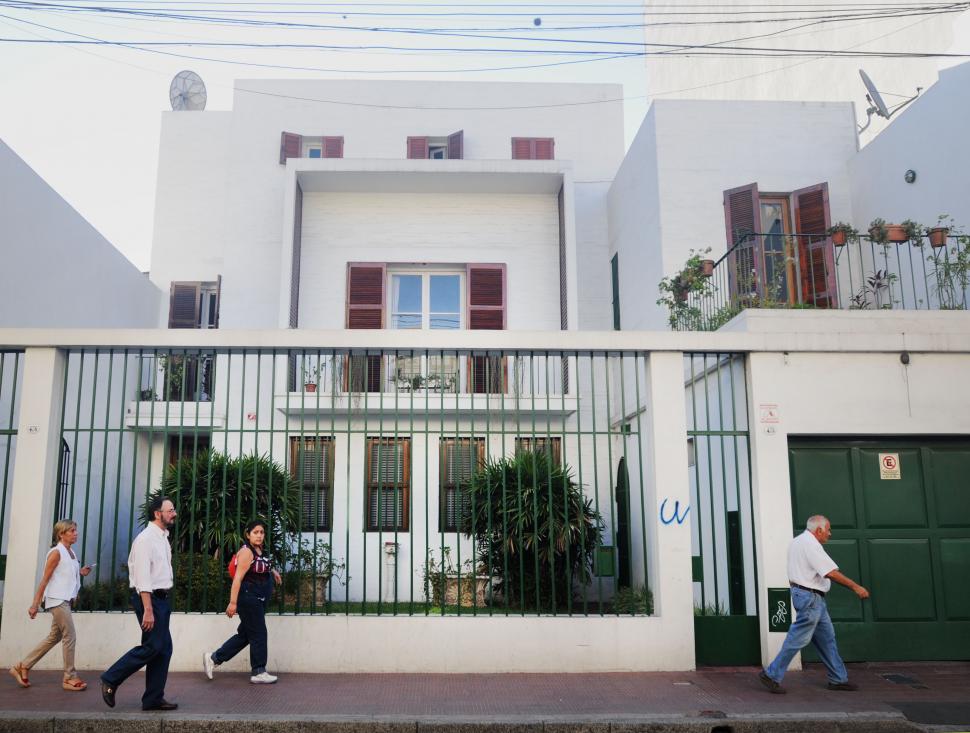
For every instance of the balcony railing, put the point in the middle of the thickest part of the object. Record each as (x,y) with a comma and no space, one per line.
(808,271)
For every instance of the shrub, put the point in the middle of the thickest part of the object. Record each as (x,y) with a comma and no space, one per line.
(209,583)
(533,527)
(633,601)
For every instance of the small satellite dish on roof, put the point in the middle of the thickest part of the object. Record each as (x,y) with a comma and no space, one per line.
(876,104)
(187,92)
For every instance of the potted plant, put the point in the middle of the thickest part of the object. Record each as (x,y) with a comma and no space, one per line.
(311,375)
(309,569)
(940,232)
(446,584)
(914,232)
(707,268)
(882,233)
(842,233)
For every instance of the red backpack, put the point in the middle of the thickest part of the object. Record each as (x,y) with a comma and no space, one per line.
(232,566)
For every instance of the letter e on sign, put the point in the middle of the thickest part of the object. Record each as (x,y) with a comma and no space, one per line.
(889,468)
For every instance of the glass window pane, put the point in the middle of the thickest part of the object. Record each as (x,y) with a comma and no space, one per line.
(445,293)
(406,294)
(406,321)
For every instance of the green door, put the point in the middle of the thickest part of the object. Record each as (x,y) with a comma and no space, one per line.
(900,513)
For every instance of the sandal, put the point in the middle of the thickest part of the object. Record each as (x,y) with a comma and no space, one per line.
(20,674)
(75,684)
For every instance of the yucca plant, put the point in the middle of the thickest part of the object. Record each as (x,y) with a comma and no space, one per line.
(215,495)
(535,530)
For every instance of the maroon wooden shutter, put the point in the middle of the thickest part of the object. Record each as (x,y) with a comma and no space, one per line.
(815,253)
(417,147)
(456,145)
(291,146)
(742,217)
(533,148)
(333,147)
(365,295)
(544,148)
(183,305)
(486,310)
(522,148)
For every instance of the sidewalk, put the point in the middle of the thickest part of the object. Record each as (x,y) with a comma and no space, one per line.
(719,699)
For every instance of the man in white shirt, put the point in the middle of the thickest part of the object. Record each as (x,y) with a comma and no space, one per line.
(151,579)
(810,573)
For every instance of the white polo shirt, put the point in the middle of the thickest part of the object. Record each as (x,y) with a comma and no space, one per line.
(808,563)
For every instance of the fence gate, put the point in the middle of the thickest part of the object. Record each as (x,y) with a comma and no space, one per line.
(11,370)
(722,530)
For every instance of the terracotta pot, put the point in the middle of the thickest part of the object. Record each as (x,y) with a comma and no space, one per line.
(473,591)
(707,268)
(838,238)
(896,233)
(310,387)
(938,236)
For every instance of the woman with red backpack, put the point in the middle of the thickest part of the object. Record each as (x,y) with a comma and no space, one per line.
(253,578)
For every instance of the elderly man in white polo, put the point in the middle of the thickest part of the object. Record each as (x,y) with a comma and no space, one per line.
(810,573)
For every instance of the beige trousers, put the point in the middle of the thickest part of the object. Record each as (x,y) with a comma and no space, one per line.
(62,630)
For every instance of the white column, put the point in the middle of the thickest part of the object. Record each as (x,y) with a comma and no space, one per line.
(666,478)
(35,480)
(771,492)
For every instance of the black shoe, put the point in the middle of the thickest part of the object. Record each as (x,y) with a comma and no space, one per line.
(773,687)
(843,686)
(164,705)
(107,694)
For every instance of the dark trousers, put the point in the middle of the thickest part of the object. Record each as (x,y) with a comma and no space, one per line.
(252,603)
(154,653)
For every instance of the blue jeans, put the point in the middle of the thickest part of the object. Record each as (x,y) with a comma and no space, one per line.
(812,624)
(253,601)
(154,653)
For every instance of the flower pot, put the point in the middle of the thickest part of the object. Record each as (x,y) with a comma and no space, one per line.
(707,268)
(473,591)
(838,238)
(312,591)
(310,387)
(938,236)
(896,233)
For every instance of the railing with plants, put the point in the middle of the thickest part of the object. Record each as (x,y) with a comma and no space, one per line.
(420,499)
(905,266)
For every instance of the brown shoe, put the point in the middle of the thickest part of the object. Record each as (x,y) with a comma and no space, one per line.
(75,684)
(773,687)
(19,673)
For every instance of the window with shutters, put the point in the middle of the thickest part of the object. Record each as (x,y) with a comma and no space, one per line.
(187,446)
(194,304)
(388,467)
(460,458)
(447,147)
(551,446)
(311,466)
(293,145)
(533,148)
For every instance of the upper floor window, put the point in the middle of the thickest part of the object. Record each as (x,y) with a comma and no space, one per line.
(194,304)
(533,148)
(448,147)
(426,299)
(310,146)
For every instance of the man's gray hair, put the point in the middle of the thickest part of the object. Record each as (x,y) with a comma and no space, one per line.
(815,522)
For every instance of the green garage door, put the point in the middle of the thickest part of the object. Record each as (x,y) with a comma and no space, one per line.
(900,513)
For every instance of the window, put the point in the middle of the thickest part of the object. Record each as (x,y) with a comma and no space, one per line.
(533,148)
(194,304)
(449,147)
(388,484)
(460,458)
(311,466)
(309,146)
(551,446)
(186,446)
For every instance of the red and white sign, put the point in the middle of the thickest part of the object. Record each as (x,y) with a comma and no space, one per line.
(889,468)
(769,414)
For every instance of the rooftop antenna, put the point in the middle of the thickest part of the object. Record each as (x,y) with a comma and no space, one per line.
(876,104)
(187,92)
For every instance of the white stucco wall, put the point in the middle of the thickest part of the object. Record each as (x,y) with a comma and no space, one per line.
(698,149)
(222,197)
(57,269)
(930,138)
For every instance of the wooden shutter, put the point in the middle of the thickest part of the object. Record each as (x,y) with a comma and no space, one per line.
(533,148)
(333,147)
(816,255)
(486,311)
(291,146)
(742,216)
(417,147)
(183,305)
(522,148)
(544,148)
(456,145)
(365,295)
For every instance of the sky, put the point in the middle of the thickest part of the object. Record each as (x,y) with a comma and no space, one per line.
(86,117)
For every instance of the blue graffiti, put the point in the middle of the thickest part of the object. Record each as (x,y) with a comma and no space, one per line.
(676,516)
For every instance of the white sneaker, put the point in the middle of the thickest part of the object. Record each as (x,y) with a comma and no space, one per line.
(208,664)
(263,678)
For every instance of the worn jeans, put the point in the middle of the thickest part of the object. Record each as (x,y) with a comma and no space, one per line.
(62,630)
(812,624)
(253,601)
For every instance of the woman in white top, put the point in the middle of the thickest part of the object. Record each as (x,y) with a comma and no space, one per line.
(58,587)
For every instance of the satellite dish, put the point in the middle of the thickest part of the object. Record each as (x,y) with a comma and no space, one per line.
(876,104)
(187,92)
(873,95)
